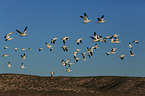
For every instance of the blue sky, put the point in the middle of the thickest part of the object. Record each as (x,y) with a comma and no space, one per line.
(48,19)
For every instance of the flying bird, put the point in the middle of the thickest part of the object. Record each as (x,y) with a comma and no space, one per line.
(52,73)
(79,41)
(135,42)
(16,49)
(23,57)
(23,65)
(64,39)
(5,47)
(83,54)
(121,57)
(130,46)
(5,55)
(131,53)
(53,40)
(23,49)
(69,64)
(48,45)
(7,37)
(9,65)
(65,48)
(101,20)
(85,18)
(22,33)
(68,70)
(40,49)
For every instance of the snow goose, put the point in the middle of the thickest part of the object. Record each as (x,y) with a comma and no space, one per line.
(16,49)
(131,53)
(77,59)
(40,49)
(83,54)
(88,49)
(53,40)
(96,46)
(5,55)
(65,48)
(108,53)
(5,47)
(89,55)
(74,53)
(69,64)
(64,39)
(115,40)
(91,50)
(85,18)
(135,42)
(68,70)
(23,57)
(113,50)
(52,73)
(7,37)
(48,45)
(115,35)
(23,65)
(30,49)
(101,20)
(9,65)
(79,41)
(23,49)
(130,46)
(24,32)
(78,50)
(121,57)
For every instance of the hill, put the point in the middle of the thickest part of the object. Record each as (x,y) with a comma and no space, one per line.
(24,85)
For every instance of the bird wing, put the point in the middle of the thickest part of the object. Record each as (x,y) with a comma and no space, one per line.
(25,30)
(19,31)
(102,17)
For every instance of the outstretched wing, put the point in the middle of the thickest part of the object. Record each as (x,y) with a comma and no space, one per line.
(25,30)
(18,31)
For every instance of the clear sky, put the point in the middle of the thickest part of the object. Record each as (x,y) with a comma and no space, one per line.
(47,19)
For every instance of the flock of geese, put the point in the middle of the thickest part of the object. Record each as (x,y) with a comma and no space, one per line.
(89,51)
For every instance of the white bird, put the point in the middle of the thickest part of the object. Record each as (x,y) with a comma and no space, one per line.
(40,49)
(68,70)
(16,49)
(78,50)
(101,20)
(88,49)
(23,49)
(96,46)
(22,33)
(48,45)
(69,64)
(115,35)
(135,42)
(77,59)
(74,53)
(115,40)
(130,46)
(5,47)
(23,56)
(23,65)
(30,49)
(7,37)
(5,55)
(62,61)
(52,73)
(65,48)
(53,40)
(79,41)
(64,39)
(121,57)
(131,53)
(113,50)
(91,50)
(108,53)
(89,55)
(83,54)
(9,65)
(85,18)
